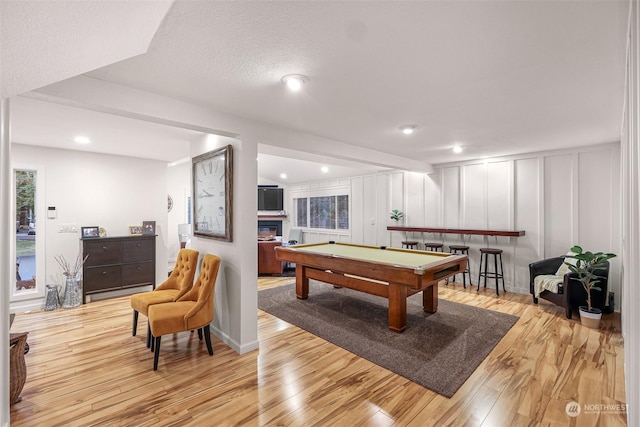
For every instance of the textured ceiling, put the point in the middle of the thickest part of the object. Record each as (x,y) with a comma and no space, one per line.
(495,77)
(498,78)
(45,42)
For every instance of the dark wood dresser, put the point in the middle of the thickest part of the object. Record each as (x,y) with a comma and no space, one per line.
(118,263)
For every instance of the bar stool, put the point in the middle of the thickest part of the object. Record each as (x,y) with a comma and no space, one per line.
(497,253)
(461,250)
(410,244)
(434,247)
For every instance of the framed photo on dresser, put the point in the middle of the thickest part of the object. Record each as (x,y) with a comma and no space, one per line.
(148,228)
(90,232)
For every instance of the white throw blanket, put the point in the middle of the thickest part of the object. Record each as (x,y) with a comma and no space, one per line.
(546,282)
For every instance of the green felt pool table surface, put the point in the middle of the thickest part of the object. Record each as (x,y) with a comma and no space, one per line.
(395,256)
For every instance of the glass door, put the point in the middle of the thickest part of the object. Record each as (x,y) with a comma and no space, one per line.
(25,222)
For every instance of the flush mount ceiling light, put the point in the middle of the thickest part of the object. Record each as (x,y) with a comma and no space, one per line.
(408,129)
(294,81)
(81,140)
(324,169)
(457,149)
(283,175)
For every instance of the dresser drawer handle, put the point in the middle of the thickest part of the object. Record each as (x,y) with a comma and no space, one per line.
(138,245)
(104,248)
(138,268)
(104,272)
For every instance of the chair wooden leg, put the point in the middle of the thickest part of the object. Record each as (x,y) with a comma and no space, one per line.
(135,322)
(568,310)
(200,334)
(156,353)
(207,339)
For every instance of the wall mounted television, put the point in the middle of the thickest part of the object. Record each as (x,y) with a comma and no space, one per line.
(270,198)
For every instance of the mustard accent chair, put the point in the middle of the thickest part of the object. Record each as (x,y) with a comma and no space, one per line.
(194,310)
(177,284)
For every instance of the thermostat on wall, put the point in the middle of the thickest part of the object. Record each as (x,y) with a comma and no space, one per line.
(51,212)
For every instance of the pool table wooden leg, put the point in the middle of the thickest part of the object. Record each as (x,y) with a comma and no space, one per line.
(397,307)
(430,299)
(302,282)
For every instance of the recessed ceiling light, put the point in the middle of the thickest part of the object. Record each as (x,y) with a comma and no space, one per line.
(283,175)
(294,81)
(324,169)
(81,140)
(457,149)
(408,129)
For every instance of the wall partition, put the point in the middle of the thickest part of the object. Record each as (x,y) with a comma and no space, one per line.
(630,172)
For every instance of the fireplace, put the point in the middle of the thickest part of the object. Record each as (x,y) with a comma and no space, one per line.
(268,230)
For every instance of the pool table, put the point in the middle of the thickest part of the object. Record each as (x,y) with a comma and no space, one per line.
(391,273)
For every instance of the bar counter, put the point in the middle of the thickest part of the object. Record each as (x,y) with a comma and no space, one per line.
(506,233)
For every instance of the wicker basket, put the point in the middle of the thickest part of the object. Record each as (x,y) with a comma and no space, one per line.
(17,365)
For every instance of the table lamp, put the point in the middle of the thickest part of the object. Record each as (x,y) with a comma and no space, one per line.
(184,233)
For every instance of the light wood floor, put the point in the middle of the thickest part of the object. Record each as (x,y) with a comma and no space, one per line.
(85,368)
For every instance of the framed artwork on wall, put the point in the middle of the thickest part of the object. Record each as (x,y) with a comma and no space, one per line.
(213,194)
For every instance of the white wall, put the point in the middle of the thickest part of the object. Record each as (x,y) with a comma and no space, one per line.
(559,198)
(91,189)
(179,188)
(630,218)
(5,253)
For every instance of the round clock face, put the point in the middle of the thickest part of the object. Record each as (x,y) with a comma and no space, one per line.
(209,186)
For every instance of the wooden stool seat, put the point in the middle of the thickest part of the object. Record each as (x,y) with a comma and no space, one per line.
(434,247)
(410,244)
(495,274)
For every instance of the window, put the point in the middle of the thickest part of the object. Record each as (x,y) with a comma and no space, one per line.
(301,212)
(343,212)
(25,220)
(324,212)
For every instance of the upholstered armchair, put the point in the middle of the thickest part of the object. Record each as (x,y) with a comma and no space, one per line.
(571,293)
(193,310)
(177,284)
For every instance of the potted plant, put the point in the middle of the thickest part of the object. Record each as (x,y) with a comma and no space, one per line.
(584,266)
(396,215)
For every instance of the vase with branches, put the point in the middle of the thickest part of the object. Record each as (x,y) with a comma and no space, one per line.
(72,272)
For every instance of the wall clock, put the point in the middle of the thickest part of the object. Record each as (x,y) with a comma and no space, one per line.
(212,194)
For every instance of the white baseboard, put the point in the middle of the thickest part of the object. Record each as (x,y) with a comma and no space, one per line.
(235,346)
(25,306)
